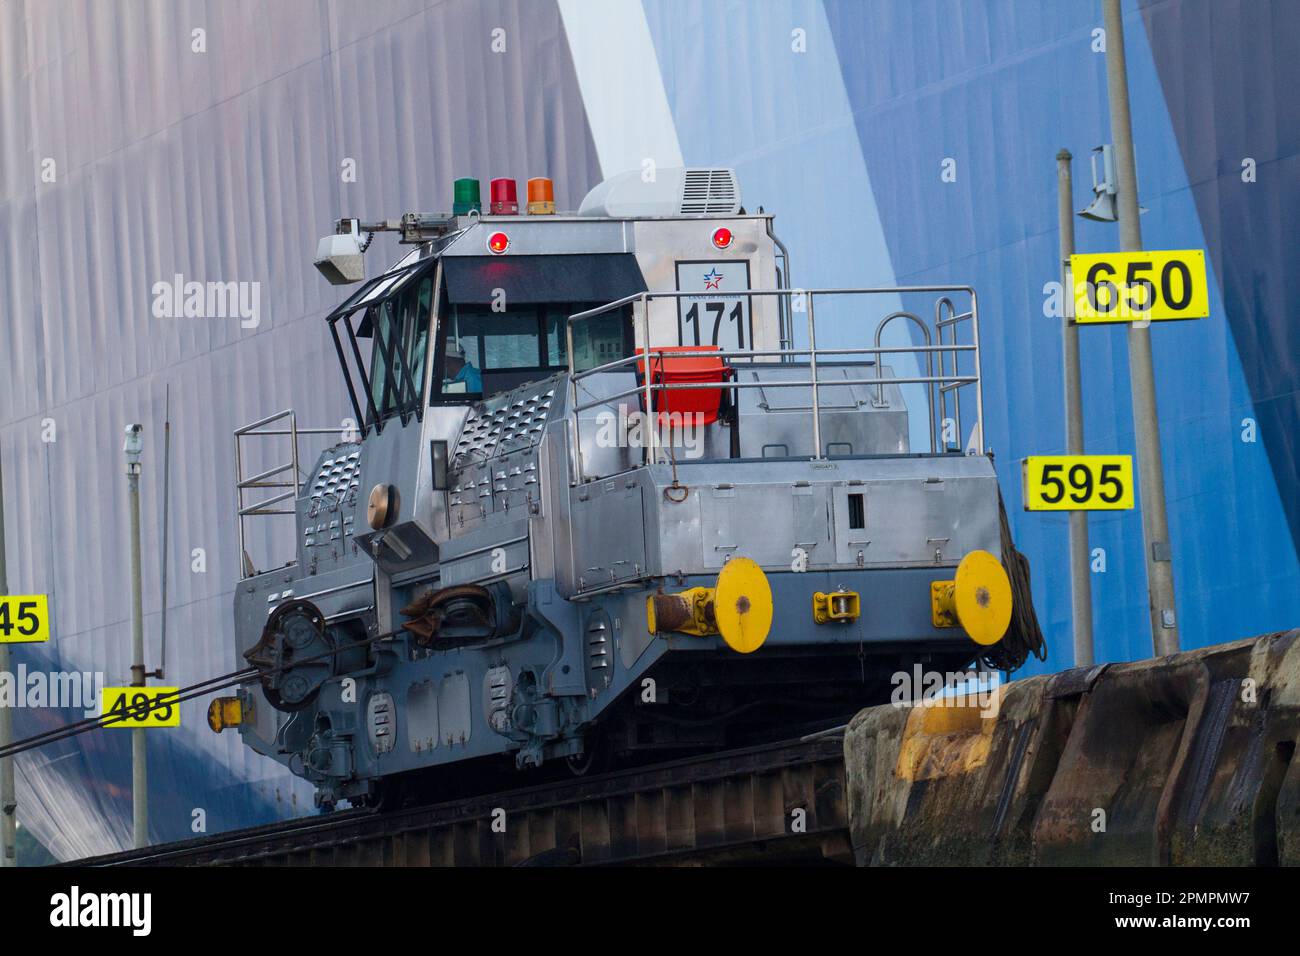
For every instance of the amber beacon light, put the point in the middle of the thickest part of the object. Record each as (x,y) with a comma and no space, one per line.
(541,197)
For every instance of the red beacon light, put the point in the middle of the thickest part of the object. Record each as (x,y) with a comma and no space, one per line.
(498,243)
(505,198)
(722,237)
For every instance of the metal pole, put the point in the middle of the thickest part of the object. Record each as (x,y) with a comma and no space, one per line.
(8,797)
(167,468)
(812,368)
(980,447)
(1080,582)
(1146,424)
(652,419)
(139,770)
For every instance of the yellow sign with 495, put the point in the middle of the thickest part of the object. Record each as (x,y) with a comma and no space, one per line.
(135,707)
(1140,286)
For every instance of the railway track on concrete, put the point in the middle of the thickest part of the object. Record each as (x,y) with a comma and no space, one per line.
(780,803)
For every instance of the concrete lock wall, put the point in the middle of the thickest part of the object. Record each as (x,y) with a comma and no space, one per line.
(1184,760)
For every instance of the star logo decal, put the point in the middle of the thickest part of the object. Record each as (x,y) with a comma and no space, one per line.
(712,279)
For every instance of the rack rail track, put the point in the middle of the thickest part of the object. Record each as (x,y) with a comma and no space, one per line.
(782,802)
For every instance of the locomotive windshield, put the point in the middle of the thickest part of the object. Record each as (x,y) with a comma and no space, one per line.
(484,351)
(400,327)
(392,313)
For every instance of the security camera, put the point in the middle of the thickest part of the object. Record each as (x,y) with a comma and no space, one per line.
(134,443)
(338,256)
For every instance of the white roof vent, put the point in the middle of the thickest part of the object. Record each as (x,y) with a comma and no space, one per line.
(677,191)
(710,192)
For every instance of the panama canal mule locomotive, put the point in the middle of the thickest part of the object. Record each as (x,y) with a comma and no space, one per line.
(607,495)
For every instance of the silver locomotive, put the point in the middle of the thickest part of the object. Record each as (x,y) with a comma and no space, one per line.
(616,488)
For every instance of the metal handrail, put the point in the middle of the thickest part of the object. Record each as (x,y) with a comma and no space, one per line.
(941,384)
(940,323)
(771,353)
(864,290)
(291,481)
(243,484)
(690,386)
(257,481)
(929,367)
(262,507)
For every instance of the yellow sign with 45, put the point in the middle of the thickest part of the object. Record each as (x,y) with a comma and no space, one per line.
(24,619)
(1078,482)
(1140,286)
(135,707)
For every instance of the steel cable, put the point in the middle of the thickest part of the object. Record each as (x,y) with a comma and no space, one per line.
(1024,636)
(180,695)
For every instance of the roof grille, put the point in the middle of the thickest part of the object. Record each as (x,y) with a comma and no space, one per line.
(710,192)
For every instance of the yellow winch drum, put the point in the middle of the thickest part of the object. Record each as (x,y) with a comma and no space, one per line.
(978,600)
(738,607)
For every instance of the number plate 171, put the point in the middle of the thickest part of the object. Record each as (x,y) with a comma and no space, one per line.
(1078,482)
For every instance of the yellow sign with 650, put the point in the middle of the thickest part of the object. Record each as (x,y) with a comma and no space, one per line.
(1140,286)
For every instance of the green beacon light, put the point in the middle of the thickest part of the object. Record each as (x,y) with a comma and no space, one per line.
(465,197)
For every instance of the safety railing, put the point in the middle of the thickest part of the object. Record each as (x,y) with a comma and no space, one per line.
(940,340)
(284,480)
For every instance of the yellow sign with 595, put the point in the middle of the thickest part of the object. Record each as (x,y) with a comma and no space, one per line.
(24,619)
(1140,286)
(1078,482)
(135,707)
